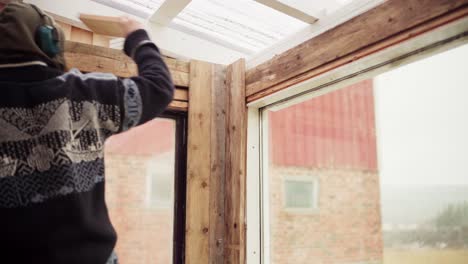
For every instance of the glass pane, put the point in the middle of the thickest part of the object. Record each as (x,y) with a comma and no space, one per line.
(140,191)
(389,154)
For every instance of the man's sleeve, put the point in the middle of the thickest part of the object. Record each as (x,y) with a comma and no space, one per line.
(147,95)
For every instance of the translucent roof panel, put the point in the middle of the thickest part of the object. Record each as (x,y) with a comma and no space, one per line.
(242,25)
(319,8)
(245,26)
(140,8)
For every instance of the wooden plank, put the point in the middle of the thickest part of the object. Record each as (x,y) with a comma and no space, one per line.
(288,10)
(199,164)
(181,94)
(218,164)
(168,11)
(90,58)
(390,19)
(66,28)
(355,56)
(180,106)
(81,35)
(104,25)
(236,148)
(101,40)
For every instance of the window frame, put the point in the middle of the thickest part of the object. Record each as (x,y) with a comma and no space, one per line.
(436,41)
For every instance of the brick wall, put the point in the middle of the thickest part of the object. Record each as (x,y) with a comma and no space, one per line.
(144,233)
(345,229)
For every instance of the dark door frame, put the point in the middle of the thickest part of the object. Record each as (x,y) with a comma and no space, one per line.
(180,184)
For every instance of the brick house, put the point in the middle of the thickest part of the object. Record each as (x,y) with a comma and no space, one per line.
(323,180)
(139,191)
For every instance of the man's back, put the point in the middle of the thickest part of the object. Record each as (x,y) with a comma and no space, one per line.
(53,126)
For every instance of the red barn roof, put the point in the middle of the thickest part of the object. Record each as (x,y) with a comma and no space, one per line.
(336,130)
(152,138)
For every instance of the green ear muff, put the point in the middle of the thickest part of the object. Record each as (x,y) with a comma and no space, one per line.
(47,36)
(47,39)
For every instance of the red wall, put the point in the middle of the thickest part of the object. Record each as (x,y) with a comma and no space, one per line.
(337,130)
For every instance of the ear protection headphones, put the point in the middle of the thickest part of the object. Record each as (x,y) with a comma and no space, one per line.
(47,36)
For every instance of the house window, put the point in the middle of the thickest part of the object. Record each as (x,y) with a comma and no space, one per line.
(300,193)
(145,190)
(161,181)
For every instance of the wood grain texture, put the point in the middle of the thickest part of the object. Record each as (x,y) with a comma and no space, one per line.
(355,56)
(199,164)
(104,25)
(180,106)
(66,28)
(81,35)
(392,18)
(181,94)
(236,147)
(101,40)
(218,161)
(90,58)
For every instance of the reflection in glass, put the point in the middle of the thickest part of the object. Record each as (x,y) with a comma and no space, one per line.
(388,155)
(140,191)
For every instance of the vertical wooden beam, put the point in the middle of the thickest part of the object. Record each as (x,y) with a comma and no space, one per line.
(217,138)
(218,161)
(198,164)
(236,147)
(206,164)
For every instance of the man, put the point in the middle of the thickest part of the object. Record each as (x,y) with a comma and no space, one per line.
(53,125)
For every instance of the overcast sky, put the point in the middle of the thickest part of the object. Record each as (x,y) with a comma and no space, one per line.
(422,121)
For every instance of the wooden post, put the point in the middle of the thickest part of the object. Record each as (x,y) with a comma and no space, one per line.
(205,165)
(215,224)
(236,147)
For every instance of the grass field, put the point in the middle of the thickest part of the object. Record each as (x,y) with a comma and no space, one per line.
(428,256)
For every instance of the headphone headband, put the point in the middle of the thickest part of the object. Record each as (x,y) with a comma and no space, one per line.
(47,35)
(48,21)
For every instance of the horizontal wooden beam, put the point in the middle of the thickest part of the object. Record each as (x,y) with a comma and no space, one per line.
(179,106)
(388,24)
(168,11)
(288,10)
(89,58)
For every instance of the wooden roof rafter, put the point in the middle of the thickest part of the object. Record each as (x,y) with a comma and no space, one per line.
(288,10)
(168,11)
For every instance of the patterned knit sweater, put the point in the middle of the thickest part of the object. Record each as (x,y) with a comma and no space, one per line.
(52,131)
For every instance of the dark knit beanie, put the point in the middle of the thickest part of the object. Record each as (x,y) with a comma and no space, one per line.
(18,25)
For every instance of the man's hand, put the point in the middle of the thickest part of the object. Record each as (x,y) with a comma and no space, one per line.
(129,25)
